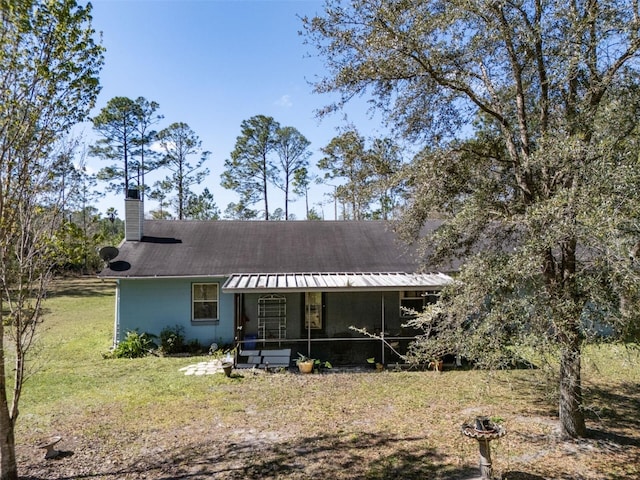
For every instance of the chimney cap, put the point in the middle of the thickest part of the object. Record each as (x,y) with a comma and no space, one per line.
(133,193)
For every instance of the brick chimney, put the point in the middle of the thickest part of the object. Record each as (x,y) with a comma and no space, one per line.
(133,216)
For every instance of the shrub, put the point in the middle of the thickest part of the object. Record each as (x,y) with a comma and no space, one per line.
(135,345)
(194,347)
(172,340)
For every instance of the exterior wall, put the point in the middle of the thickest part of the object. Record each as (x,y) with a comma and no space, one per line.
(149,305)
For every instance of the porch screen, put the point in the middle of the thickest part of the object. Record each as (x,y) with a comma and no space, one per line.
(413,301)
(313,310)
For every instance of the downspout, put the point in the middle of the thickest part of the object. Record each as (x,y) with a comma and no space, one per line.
(116,325)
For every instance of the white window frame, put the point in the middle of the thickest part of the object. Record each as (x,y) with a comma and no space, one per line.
(215,302)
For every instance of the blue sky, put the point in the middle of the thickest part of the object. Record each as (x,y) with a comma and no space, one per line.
(213,64)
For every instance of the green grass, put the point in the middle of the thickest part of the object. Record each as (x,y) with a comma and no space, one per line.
(69,370)
(120,415)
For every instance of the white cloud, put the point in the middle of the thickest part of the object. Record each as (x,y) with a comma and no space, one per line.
(284,101)
(156,147)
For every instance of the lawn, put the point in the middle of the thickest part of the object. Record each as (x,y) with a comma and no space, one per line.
(144,419)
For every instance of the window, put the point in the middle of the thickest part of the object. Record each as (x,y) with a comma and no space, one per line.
(313,311)
(415,301)
(204,298)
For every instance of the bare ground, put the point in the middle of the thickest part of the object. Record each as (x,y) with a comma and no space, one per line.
(336,433)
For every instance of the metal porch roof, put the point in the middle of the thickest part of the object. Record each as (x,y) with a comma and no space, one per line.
(344,282)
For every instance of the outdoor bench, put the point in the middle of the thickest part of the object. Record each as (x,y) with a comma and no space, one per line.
(264,358)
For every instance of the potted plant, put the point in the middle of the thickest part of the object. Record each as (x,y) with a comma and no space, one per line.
(305,364)
(227,368)
(320,365)
(372,361)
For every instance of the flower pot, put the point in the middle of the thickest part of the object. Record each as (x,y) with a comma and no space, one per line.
(306,367)
(227,367)
(436,365)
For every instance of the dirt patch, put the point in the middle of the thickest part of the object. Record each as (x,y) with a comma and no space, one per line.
(337,426)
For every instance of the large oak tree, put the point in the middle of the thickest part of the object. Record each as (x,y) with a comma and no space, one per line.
(528,112)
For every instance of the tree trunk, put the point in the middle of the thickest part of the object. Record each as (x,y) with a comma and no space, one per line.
(572,423)
(266,201)
(8,465)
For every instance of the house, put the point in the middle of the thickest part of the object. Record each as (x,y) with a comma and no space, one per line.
(270,285)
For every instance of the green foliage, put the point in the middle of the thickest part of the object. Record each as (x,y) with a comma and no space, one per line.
(293,153)
(369,174)
(135,345)
(179,143)
(345,159)
(528,114)
(312,214)
(265,154)
(322,364)
(201,207)
(194,347)
(303,359)
(317,364)
(74,391)
(172,339)
(250,168)
(239,211)
(124,125)
(49,67)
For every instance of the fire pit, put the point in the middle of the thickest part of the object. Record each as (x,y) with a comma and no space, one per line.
(484,430)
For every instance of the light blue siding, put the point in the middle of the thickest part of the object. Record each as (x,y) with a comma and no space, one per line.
(149,305)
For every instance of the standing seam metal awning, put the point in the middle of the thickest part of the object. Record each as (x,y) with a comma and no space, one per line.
(344,282)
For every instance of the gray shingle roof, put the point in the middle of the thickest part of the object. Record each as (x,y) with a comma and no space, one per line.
(172,248)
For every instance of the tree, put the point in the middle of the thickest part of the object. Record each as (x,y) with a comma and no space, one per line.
(293,154)
(124,125)
(180,142)
(147,117)
(346,158)
(301,181)
(49,72)
(515,101)
(387,185)
(162,190)
(82,222)
(239,211)
(112,228)
(250,168)
(278,215)
(202,207)
(116,122)
(313,215)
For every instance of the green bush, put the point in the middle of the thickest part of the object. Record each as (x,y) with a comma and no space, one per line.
(194,347)
(172,340)
(135,345)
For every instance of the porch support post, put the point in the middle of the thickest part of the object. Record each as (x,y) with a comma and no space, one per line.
(308,322)
(382,330)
